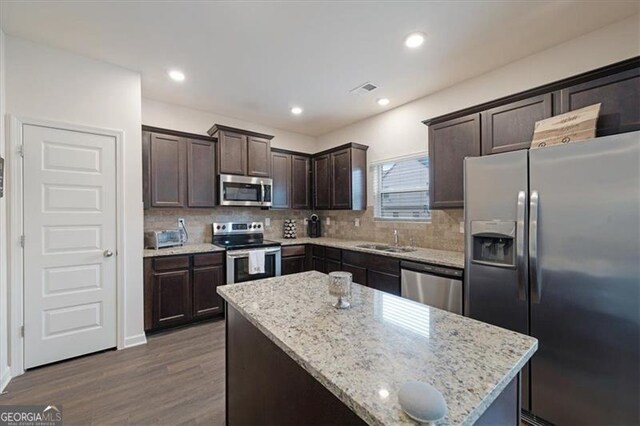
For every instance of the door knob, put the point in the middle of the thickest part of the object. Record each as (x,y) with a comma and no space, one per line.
(107,253)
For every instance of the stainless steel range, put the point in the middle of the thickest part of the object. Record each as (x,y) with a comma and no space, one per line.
(241,238)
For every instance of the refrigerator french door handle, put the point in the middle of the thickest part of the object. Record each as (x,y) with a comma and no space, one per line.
(520,260)
(533,247)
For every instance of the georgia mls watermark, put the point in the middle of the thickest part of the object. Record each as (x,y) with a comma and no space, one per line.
(30,415)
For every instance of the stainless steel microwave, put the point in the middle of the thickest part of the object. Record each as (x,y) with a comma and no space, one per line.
(245,191)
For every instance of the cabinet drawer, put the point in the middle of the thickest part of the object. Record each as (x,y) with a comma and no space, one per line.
(171,262)
(332,253)
(372,262)
(208,259)
(288,251)
(317,251)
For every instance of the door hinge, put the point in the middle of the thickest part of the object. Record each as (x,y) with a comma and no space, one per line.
(22,241)
(22,331)
(21,150)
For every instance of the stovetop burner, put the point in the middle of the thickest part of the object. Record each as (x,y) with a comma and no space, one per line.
(235,236)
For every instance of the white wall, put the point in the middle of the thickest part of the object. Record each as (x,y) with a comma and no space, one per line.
(176,117)
(400,131)
(4,318)
(51,84)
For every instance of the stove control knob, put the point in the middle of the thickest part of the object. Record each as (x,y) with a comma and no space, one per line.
(224,226)
(259,226)
(218,227)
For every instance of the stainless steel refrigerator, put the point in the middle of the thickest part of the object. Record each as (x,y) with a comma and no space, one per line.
(552,249)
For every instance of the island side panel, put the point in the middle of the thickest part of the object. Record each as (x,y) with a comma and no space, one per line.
(505,410)
(265,386)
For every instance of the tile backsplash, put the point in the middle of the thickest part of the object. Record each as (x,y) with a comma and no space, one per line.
(443,232)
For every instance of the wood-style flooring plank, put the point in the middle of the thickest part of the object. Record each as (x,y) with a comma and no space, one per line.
(176,378)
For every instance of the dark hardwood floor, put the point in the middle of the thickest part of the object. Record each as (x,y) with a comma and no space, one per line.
(176,378)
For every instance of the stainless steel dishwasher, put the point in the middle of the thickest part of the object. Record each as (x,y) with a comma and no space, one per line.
(435,286)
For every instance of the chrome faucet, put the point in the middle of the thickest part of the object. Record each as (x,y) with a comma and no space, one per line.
(396,239)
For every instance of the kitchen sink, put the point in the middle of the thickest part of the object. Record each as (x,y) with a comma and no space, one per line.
(387,248)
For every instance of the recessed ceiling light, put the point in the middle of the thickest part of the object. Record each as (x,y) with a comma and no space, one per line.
(296,110)
(383,101)
(414,40)
(176,75)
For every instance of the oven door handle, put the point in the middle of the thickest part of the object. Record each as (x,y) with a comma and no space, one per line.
(238,254)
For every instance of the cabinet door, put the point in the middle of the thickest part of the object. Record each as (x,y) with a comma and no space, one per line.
(359,273)
(232,153)
(206,301)
(201,174)
(333,265)
(449,143)
(321,183)
(172,298)
(167,170)
(510,127)
(341,179)
(384,282)
(281,175)
(258,157)
(619,95)
(300,182)
(318,264)
(293,265)
(146,169)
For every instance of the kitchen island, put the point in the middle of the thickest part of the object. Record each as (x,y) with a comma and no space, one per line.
(291,358)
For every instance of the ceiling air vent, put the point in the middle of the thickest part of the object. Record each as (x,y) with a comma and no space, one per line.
(364,88)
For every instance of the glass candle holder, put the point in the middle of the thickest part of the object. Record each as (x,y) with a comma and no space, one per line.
(340,287)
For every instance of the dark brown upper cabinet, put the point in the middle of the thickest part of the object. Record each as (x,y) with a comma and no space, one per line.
(201,173)
(507,124)
(300,182)
(340,178)
(281,175)
(242,152)
(322,182)
(232,153)
(449,143)
(178,169)
(619,95)
(258,157)
(510,127)
(167,173)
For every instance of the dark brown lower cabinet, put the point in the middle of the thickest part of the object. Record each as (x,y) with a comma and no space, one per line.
(332,265)
(171,301)
(384,281)
(294,259)
(206,300)
(359,273)
(318,264)
(180,289)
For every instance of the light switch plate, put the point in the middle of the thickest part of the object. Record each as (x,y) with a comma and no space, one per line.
(267,221)
(357,222)
(462,227)
(328,221)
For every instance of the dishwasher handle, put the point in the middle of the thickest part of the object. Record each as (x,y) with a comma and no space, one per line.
(432,269)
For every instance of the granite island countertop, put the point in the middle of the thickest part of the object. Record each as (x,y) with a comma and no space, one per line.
(364,354)
(453,259)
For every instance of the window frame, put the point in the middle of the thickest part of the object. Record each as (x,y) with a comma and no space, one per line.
(376,170)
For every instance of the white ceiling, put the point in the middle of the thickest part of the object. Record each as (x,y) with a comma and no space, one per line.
(254,60)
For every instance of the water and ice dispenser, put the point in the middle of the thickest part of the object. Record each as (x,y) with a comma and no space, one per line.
(494,243)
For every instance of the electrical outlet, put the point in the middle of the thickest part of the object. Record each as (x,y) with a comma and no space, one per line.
(305,221)
(357,222)
(462,227)
(267,221)
(328,221)
(181,221)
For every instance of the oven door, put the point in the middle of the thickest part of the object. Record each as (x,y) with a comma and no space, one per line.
(245,191)
(238,265)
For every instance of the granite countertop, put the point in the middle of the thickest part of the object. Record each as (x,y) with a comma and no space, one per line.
(364,354)
(186,249)
(453,259)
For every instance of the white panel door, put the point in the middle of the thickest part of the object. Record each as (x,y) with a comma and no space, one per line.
(70,243)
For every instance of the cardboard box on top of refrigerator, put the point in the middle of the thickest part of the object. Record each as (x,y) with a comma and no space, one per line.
(572,126)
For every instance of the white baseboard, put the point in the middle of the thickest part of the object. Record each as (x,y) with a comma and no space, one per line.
(131,341)
(5,378)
